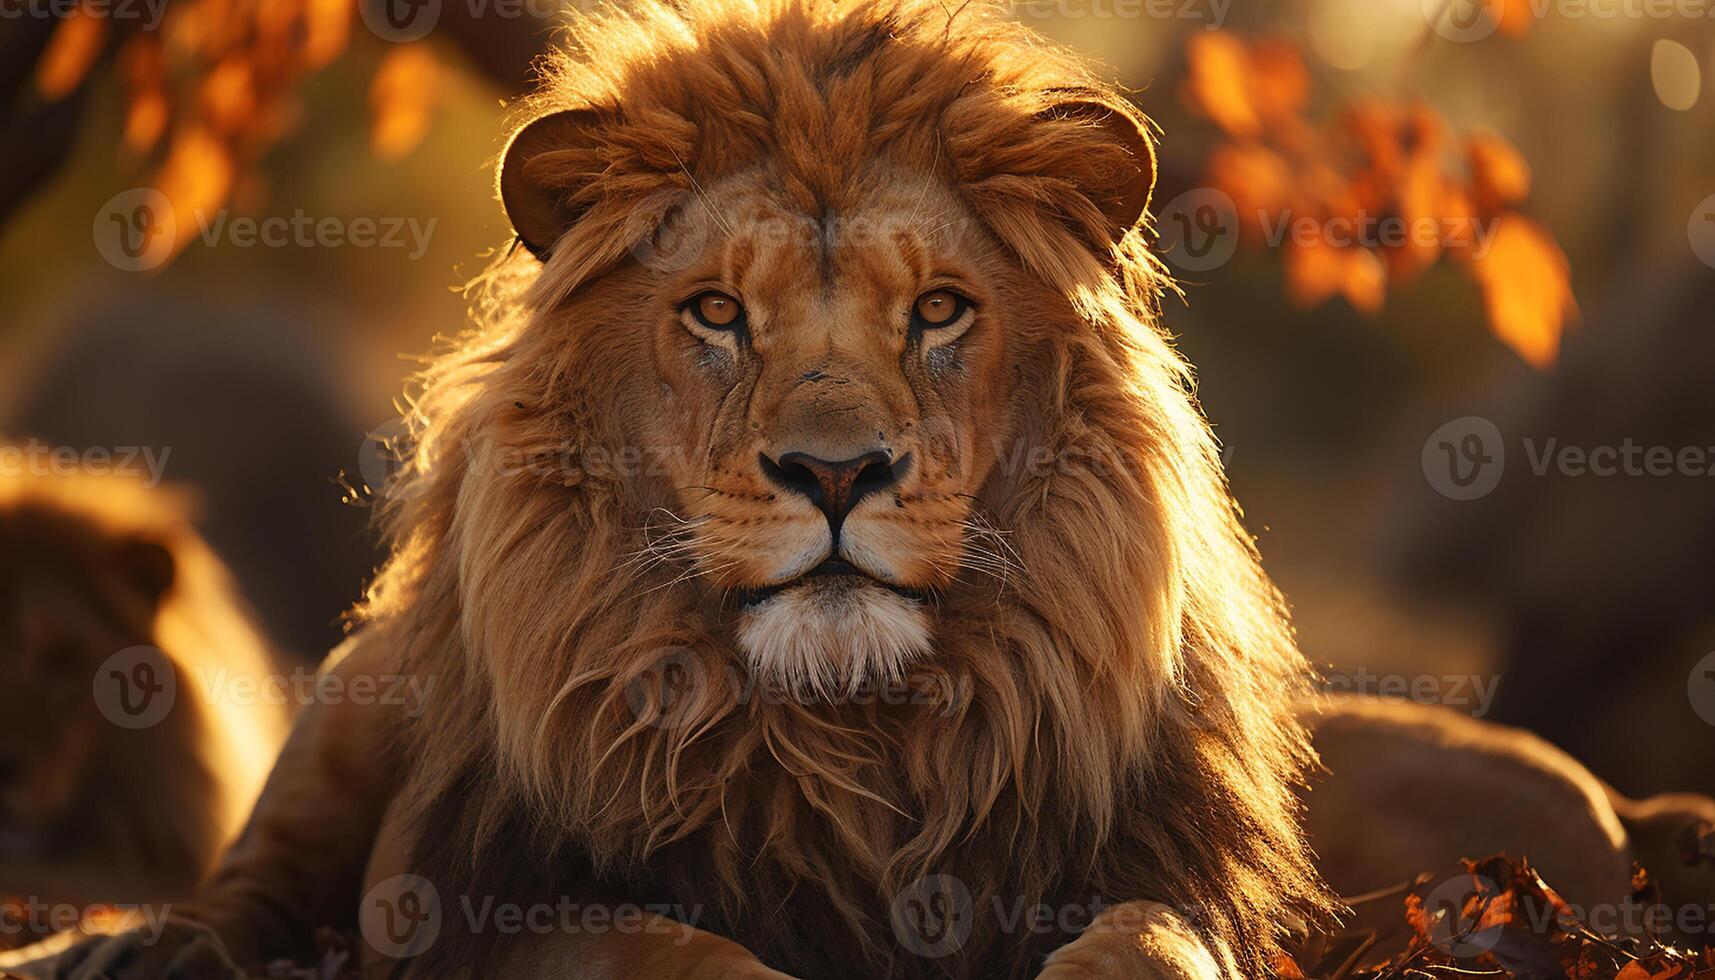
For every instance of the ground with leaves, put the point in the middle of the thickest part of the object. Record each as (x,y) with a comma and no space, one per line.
(1506,923)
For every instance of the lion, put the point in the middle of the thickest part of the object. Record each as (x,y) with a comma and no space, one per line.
(825,568)
(99,579)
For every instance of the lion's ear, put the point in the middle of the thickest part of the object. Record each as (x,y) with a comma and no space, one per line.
(546,165)
(1120,175)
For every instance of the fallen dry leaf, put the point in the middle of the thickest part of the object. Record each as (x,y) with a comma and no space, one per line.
(1512,925)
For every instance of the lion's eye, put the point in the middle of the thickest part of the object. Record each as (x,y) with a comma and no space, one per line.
(938,308)
(717,311)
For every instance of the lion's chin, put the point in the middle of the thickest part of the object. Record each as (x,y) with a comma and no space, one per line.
(831,638)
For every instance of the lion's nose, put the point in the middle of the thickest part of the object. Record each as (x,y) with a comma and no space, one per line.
(836,486)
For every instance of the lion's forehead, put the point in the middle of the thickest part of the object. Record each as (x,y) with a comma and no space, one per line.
(800,269)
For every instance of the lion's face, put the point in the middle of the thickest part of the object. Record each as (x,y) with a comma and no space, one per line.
(831,387)
(840,323)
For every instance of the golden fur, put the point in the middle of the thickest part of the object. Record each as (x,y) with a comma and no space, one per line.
(1122,722)
(90,566)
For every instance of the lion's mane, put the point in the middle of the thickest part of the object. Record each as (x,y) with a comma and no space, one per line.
(1121,726)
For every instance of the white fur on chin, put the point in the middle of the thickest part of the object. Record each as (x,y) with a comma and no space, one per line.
(831,637)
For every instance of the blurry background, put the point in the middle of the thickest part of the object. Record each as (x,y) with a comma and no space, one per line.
(1342,378)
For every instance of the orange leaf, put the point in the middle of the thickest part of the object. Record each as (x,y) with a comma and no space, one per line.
(1316,271)
(1364,281)
(1217,84)
(1259,181)
(76,43)
(1420,204)
(400,98)
(1244,88)
(1527,288)
(1418,919)
(1280,84)
(227,95)
(1498,911)
(1376,128)
(195,178)
(327,27)
(145,121)
(144,68)
(1637,971)
(1515,17)
(142,62)
(1499,174)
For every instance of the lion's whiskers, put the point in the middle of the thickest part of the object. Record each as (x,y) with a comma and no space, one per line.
(665,541)
(987,549)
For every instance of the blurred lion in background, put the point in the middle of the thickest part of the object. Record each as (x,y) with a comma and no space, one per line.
(104,588)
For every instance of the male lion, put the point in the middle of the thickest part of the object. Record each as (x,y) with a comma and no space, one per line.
(103,583)
(817,538)
(891,296)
